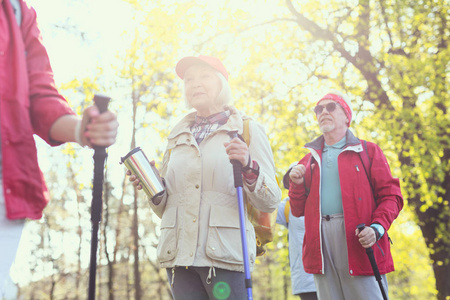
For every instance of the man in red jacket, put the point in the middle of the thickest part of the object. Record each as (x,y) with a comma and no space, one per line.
(30,104)
(341,183)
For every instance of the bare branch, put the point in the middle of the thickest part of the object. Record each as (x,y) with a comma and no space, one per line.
(363,60)
(319,33)
(241,30)
(385,18)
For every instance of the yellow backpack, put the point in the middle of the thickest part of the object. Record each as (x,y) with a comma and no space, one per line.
(264,223)
(287,208)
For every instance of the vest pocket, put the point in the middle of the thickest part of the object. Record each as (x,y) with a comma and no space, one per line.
(167,247)
(224,239)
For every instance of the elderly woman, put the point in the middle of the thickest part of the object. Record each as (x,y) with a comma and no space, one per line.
(200,241)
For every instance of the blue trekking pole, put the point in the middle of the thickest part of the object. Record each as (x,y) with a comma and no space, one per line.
(237,172)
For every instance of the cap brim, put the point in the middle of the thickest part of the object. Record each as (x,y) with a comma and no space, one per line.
(185,63)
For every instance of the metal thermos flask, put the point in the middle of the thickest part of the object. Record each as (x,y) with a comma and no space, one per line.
(139,165)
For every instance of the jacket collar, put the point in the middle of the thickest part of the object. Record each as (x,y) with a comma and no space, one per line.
(220,118)
(350,140)
(234,123)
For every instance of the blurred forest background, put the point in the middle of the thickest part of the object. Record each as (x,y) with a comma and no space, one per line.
(390,56)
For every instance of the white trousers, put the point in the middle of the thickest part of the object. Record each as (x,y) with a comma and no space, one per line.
(10,233)
(336,283)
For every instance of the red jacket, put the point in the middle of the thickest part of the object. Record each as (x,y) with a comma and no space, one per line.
(29,106)
(358,204)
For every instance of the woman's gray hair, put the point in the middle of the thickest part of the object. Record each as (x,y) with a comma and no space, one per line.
(224,98)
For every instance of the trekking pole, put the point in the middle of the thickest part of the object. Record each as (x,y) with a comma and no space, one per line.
(376,272)
(96,207)
(238,183)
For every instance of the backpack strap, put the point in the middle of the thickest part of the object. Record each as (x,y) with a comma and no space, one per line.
(367,164)
(246,138)
(365,159)
(246,132)
(287,208)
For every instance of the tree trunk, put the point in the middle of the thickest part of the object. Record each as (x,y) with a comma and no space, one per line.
(137,274)
(80,199)
(135,232)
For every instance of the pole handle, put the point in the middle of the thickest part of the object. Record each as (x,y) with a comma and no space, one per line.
(101,101)
(237,166)
(373,263)
(370,254)
(361,226)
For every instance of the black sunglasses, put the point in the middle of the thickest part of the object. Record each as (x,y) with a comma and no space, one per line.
(330,107)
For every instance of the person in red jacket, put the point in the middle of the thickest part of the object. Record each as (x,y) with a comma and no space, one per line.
(30,104)
(340,184)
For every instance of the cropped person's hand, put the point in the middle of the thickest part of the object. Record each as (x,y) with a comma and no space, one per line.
(367,237)
(98,129)
(297,174)
(238,150)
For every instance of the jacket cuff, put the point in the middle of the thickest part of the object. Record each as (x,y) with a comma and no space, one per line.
(379,230)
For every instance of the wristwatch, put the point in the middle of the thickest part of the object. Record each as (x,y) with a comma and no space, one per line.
(251,166)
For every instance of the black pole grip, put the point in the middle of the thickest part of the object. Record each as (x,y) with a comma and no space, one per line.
(99,157)
(369,252)
(237,173)
(237,166)
(101,101)
(361,226)
(373,263)
(376,271)
(97,186)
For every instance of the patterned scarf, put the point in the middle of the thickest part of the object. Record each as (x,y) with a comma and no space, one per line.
(205,126)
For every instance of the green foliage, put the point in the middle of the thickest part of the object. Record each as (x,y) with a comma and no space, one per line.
(413,278)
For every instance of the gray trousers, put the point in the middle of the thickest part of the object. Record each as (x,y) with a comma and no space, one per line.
(336,283)
(204,283)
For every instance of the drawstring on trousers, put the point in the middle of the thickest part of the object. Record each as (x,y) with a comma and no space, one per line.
(173,276)
(208,279)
